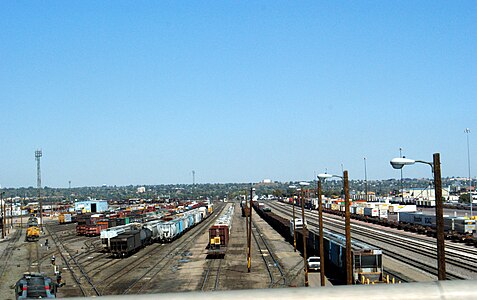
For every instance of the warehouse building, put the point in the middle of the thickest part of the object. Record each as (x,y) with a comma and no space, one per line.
(92,206)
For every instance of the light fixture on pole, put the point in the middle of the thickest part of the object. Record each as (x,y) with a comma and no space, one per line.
(471,200)
(3,214)
(249,257)
(320,224)
(365,180)
(402,189)
(304,229)
(399,163)
(292,187)
(349,270)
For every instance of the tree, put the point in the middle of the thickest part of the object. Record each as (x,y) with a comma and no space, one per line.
(464,198)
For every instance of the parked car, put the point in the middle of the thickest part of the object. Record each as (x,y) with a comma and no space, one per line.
(314,263)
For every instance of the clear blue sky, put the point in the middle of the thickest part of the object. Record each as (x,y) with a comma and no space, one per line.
(144,92)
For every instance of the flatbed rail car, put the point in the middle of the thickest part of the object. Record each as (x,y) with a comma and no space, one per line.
(219,234)
(35,286)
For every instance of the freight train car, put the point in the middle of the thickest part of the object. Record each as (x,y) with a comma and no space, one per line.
(451,224)
(129,242)
(367,260)
(33,230)
(219,234)
(107,234)
(66,218)
(35,286)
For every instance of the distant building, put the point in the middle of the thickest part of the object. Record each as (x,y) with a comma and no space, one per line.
(267,181)
(93,206)
(141,190)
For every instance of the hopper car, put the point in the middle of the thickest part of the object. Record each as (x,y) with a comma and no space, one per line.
(129,242)
(123,240)
(107,234)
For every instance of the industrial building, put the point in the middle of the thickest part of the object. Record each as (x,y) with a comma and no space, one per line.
(93,206)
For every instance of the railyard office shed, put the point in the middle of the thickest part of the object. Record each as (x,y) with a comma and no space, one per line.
(91,206)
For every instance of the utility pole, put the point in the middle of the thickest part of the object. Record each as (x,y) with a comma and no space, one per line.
(320,224)
(3,214)
(402,191)
(249,258)
(304,230)
(38,155)
(11,213)
(441,254)
(365,180)
(471,200)
(349,270)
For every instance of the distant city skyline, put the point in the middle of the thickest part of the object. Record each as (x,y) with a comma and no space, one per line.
(144,93)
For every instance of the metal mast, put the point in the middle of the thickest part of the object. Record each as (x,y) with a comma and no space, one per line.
(38,155)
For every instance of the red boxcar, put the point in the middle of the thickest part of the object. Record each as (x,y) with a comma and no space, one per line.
(218,239)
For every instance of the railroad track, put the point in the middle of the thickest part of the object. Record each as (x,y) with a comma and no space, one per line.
(34,260)
(212,272)
(7,253)
(74,267)
(406,243)
(91,245)
(274,269)
(136,286)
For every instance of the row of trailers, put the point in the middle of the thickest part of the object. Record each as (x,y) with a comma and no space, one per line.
(126,239)
(367,261)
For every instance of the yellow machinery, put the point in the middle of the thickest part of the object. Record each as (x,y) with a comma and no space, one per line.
(33,230)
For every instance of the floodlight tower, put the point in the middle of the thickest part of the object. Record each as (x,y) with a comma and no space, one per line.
(38,155)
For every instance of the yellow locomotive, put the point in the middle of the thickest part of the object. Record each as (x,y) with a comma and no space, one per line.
(33,230)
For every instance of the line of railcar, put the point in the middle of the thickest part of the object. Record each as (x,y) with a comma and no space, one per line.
(219,233)
(367,260)
(457,229)
(126,240)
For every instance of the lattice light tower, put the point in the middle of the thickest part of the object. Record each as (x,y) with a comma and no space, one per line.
(38,155)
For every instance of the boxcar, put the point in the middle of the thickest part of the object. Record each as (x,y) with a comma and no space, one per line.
(219,233)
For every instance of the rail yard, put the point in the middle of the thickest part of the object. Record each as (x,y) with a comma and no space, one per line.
(204,248)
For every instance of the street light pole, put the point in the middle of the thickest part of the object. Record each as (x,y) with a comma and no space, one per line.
(304,230)
(467,130)
(3,214)
(399,163)
(365,180)
(402,190)
(294,225)
(249,258)
(349,275)
(320,224)
(349,270)
(441,260)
